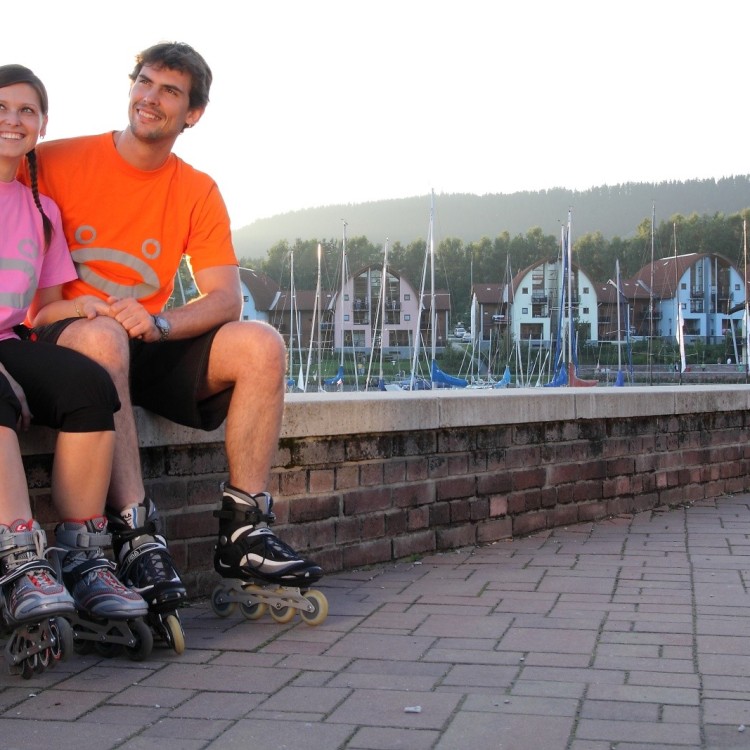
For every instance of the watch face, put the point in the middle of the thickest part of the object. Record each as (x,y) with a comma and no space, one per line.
(162,325)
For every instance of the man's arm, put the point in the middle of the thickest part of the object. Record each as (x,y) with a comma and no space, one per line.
(220,301)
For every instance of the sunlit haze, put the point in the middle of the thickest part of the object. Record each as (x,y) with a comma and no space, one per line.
(344,101)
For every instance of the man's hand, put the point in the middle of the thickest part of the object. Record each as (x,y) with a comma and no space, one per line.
(134,318)
(89,306)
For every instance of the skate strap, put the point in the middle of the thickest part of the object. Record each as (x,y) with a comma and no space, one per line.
(87,566)
(127,534)
(244,515)
(24,541)
(81,539)
(27,567)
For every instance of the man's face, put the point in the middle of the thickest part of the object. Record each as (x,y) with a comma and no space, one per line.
(160,104)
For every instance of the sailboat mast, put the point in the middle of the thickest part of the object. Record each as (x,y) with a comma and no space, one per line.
(291,315)
(343,285)
(318,304)
(433,305)
(678,308)
(570,288)
(383,288)
(747,306)
(651,299)
(619,318)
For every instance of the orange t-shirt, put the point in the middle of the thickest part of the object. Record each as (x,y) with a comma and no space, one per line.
(127,229)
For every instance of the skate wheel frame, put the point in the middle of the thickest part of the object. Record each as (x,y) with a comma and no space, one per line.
(282,602)
(110,637)
(33,648)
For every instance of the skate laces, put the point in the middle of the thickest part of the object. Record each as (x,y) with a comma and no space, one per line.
(41,579)
(149,563)
(263,545)
(274,548)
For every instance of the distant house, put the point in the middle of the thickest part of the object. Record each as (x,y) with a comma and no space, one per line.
(297,315)
(258,293)
(536,295)
(705,289)
(364,319)
(493,314)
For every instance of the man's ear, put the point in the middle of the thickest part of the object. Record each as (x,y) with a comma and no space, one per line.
(193,115)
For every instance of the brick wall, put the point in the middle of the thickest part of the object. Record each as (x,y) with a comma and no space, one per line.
(361,479)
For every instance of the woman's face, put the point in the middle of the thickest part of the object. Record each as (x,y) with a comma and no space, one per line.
(22,121)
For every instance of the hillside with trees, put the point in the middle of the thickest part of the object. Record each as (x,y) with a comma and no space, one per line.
(706,224)
(614,211)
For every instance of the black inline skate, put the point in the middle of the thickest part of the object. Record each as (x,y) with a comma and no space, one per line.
(145,565)
(33,603)
(261,573)
(109,616)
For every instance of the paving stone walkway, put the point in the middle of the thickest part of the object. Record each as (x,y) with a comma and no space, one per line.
(628,633)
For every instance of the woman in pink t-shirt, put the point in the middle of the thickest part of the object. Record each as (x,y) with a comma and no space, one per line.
(50,385)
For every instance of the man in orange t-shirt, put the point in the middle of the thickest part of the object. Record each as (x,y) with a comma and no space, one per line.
(131,209)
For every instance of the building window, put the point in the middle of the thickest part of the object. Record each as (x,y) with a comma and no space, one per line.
(346,317)
(246,298)
(585,311)
(524,311)
(524,290)
(683,285)
(407,317)
(346,298)
(407,297)
(585,290)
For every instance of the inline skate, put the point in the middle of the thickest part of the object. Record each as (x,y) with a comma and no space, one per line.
(33,603)
(108,616)
(145,565)
(260,572)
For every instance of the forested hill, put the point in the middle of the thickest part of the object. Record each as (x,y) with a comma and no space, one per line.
(614,211)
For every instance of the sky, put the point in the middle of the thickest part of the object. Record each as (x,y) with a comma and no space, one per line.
(321,102)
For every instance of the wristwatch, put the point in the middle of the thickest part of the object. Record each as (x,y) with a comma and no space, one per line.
(163,325)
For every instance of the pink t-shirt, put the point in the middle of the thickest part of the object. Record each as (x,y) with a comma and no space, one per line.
(24,266)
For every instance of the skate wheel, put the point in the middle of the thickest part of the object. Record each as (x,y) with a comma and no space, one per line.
(41,660)
(144,641)
(45,659)
(175,634)
(253,611)
(318,601)
(62,639)
(27,667)
(220,605)
(283,614)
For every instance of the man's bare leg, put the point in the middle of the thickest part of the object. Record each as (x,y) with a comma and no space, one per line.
(106,342)
(251,357)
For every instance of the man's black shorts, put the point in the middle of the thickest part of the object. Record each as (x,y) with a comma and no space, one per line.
(165,378)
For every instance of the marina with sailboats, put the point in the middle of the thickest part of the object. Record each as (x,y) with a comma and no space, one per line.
(680,318)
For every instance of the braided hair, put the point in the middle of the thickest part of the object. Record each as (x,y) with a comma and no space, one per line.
(46,222)
(12,74)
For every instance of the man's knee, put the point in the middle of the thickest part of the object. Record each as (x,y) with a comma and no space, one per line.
(247,349)
(255,339)
(102,339)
